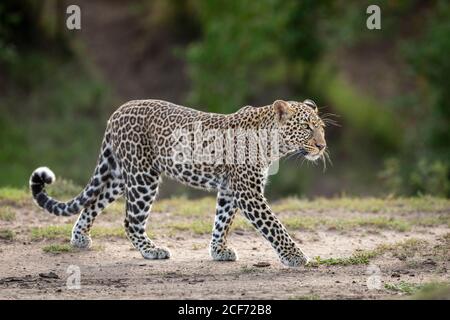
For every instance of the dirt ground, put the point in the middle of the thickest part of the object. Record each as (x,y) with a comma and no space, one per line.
(413,256)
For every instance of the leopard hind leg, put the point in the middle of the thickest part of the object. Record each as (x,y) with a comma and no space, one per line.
(113,188)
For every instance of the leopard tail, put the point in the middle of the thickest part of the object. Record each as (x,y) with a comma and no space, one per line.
(102,174)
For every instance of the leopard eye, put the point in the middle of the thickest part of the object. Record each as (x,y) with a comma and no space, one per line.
(306,126)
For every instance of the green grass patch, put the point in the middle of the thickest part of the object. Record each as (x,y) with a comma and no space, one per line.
(312,223)
(7,234)
(403,287)
(204,226)
(441,250)
(198,227)
(432,291)
(108,232)
(186,207)
(58,248)
(240,223)
(433,221)
(201,208)
(7,214)
(401,250)
(404,249)
(51,232)
(65,231)
(64,189)
(303,223)
(368,205)
(362,257)
(14,194)
(117,208)
(379,222)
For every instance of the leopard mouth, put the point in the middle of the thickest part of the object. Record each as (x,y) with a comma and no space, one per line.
(313,157)
(304,153)
(308,155)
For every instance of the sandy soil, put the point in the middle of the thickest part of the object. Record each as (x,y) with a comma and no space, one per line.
(114,270)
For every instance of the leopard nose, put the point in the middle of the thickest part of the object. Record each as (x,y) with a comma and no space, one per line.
(320,146)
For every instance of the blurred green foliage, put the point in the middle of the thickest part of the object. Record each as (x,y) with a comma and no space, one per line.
(245,50)
(54,106)
(423,164)
(248,53)
(430,62)
(48,96)
(35,124)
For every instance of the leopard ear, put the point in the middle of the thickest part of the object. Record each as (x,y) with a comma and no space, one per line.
(311,104)
(283,110)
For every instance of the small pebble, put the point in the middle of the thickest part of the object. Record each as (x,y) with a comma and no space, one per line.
(49,275)
(262,264)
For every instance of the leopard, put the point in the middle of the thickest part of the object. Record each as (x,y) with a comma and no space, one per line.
(146,140)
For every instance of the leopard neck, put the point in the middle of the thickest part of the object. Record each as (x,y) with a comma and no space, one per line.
(255,118)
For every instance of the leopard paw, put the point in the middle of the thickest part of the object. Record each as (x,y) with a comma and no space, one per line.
(223,254)
(155,253)
(81,241)
(295,260)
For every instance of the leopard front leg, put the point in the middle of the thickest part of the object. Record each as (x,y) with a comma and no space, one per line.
(225,212)
(255,208)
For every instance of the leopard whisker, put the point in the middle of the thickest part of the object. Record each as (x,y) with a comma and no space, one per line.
(328,157)
(324,162)
(332,122)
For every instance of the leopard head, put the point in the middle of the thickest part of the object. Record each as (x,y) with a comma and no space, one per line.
(301,129)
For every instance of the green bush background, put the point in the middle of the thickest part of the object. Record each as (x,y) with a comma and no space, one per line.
(55,99)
